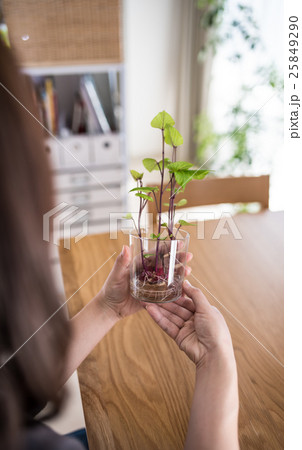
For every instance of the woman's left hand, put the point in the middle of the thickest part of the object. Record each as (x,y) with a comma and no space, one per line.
(115,294)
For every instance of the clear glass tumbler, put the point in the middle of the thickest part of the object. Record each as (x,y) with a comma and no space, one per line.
(158,266)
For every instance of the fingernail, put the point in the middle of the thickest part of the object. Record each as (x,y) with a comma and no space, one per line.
(187,283)
(123,250)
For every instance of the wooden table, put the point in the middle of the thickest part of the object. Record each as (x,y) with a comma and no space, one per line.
(137,385)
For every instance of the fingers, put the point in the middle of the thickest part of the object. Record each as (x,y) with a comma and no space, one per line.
(199,299)
(173,318)
(183,257)
(186,302)
(189,256)
(188,270)
(165,324)
(183,308)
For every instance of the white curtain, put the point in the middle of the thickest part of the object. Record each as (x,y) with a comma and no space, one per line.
(193,77)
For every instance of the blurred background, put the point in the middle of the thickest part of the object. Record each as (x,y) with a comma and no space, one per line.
(101,70)
(217,67)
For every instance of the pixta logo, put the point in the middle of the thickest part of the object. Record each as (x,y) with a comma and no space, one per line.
(64,217)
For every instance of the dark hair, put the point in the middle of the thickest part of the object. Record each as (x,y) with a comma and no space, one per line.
(28,295)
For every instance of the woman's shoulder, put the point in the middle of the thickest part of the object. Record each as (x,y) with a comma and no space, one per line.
(38,436)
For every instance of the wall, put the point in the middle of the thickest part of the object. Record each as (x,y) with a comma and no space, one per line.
(151,63)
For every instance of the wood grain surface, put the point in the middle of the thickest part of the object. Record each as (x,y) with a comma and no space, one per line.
(137,385)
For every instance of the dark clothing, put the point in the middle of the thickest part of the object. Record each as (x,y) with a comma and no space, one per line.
(81,436)
(34,435)
(40,437)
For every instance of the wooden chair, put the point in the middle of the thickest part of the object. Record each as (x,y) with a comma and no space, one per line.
(213,191)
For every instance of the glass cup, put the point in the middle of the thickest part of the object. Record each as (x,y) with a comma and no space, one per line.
(157,267)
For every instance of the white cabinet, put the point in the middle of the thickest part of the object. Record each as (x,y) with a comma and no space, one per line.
(83,179)
(106,149)
(89,170)
(91,177)
(76,151)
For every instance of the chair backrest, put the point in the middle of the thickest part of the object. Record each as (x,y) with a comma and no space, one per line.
(213,191)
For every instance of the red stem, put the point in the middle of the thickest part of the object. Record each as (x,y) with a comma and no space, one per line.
(141,207)
(156,204)
(169,183)
(177,231)
(160,197)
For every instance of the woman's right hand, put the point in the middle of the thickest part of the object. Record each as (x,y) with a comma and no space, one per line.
(201,332)
(198,328)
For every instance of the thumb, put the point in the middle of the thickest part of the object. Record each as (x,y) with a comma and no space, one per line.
(200,301)
(120,271)
(123,260)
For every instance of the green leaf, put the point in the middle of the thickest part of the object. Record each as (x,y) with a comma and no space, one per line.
(162,120)
(181,202)
(173,136)
(147,255)
(166,162)
(150,164)
(183,177)
(179,165)
(200,174)
(164,224)
(146,197)
(136,175)
(128,216)
(145,189)
(184,223)
(157,236)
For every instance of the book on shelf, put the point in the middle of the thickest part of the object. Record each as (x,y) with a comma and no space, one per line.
(78,124)
(82,109)
(47,104)
(51,105)
(96,117)
(113,80)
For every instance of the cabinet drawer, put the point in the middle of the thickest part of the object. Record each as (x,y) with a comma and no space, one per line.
(106,149)
(53,153)
(93,228)
(75,229)
(84,198)
(97,218)
(102,212)
(76,151)
(73,152)
(84,179)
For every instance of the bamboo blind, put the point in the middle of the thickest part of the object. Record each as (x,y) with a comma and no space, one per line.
(63,32)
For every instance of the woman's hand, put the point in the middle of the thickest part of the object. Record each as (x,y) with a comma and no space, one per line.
(113,301)
(198,328)
(201,332)
(115,294)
